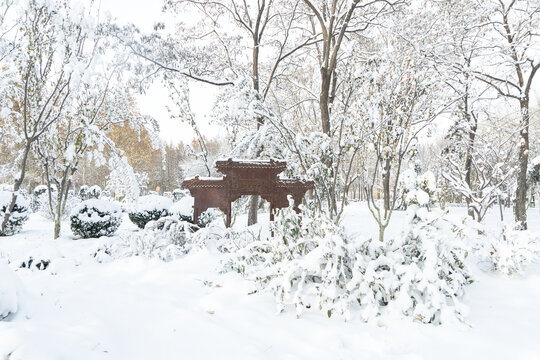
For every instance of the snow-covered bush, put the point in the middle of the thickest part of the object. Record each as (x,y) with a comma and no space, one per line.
(84,192)
(207,217)
(407,182)
(420,274)
(183,208)
(509,252)
(306,264)
(423,191)
(148,208)
(18,216)
(179,194)
(122,181)
(94,218)
(430,266)
(94,192)
(166,239)
(310,263)
(31,263)
(11,291)
(171,229)
(226,240)
(38,197)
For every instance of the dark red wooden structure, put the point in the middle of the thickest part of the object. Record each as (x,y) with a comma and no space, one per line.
(245,177)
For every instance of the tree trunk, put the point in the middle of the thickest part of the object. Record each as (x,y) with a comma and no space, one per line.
(468,157)
(57,226)
(386,184)
(324,101)
(520,207)
(253,209)
(254,199)
(61,204)
(16,187)
(381,232)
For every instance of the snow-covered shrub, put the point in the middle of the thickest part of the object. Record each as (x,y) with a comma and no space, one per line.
(183,208)
(374,282)
(179,194)
(416,188)
(509,252)
(84,192)
(11,291)
(148,208)
(226,240)
(421,274)
(311,264)
(172,229)
(423,191)
(165,238)
(208,217)
(18,216)
(94,192)
(31,263)
(122,181)
(94,218)
(432,270)
(407,182)
(306,264)
(38,197)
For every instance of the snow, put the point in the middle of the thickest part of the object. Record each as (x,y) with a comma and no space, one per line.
(140,308)
(98,204)
(204,178)
(184,206)
(40,188)
(10,291)
(6,187)
(5,199)
(153,202)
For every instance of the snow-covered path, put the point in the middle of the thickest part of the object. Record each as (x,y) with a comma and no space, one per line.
(138,308)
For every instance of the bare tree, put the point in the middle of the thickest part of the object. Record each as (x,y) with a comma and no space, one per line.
(492,163)
(38,96)
(509,64)
(334,22)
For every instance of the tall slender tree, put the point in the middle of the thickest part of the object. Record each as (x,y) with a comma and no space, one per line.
(509,65)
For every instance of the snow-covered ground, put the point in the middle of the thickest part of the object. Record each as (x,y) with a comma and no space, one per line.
(139,308)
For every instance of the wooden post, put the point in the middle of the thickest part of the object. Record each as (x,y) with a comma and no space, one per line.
(271,211)
(229,213)
(271,217)
(196,211)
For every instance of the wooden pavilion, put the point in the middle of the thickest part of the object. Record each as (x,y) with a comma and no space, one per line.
(245,177)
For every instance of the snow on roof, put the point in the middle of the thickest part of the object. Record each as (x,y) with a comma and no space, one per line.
(255,163)
(205,178)
(249,161)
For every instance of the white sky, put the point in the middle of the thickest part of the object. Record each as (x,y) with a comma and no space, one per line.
(144,14)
